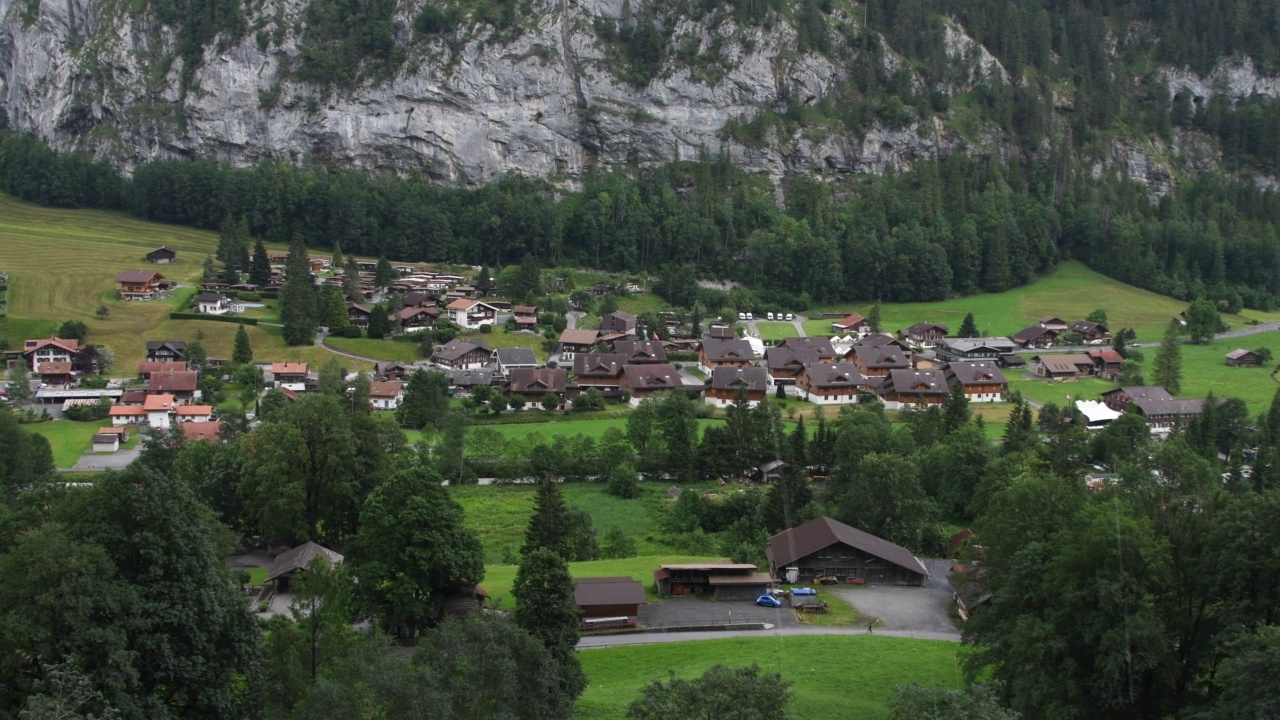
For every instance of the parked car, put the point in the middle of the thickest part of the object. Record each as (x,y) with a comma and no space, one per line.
(770,316)
(791,316)
(750,317)
(768,601)
(742,316)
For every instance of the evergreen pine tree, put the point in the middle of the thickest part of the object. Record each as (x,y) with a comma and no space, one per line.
(241,352)
(873,318)
(260,265)
(384,274)
(545,608)
(379,324)
(351,280)
(1167,371)
(956,409)
(334,310)
(210,269)
(298,296)
(335,262)
(549,525)
(968,328)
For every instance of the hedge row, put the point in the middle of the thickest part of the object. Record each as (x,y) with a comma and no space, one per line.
(214,318)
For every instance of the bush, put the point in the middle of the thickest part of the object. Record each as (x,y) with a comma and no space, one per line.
(248,296)
(486,328)
(350,331)
(73,330)
(212,318)
(682,356)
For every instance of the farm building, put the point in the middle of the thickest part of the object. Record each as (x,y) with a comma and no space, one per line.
(106,442)
(825,548)
(724,581)
(163,255)
(288,563)
(1243,358)
(609,597)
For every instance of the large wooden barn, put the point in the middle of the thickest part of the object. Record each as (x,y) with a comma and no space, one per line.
(826,548)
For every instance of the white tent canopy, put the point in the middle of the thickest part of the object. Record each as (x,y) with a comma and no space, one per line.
(1097,413)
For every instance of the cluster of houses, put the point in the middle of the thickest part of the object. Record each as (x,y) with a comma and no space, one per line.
(1052,330)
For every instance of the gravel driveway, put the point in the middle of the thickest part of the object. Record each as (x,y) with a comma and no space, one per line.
(691,611)
(907,608)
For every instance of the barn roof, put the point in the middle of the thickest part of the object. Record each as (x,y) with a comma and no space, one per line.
(299,557)
(608,591)
(789,546)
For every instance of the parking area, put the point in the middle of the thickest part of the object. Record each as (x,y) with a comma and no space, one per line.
(907,608)
(674,612)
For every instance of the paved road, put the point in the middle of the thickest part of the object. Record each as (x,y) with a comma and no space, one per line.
(1248,330)
(96,462)
(589,643)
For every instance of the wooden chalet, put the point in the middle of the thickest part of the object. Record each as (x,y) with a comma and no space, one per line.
(851,325)
(723,581)
(526,317)
(1244,358)
(641,352)
(721,332)
(963,349)
(786,363)
(1062,367)
(1092,332)
(822,346)
(413,319)
(905,388)
(924,334)
(1035,337)
(618,322)
(644,381)
(824,547)
(392,370)
(533,384)
(602,371)
(727,381)
(461,355)
(358,314)
(1161,410)
(835,383)
(163,255)
(140,285)
(1106,363)
(183,385)
(166,350)
(878,361)
(576,340)
(980,381)
(725,353)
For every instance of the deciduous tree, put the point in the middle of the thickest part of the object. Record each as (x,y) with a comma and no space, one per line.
(724,693)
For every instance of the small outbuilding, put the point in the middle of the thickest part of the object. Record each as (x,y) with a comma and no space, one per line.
(1244,358)
(724,581)
(162,255)
(106,443)
(609,597)
(290,562)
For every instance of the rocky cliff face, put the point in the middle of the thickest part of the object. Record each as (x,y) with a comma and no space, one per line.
(83,74)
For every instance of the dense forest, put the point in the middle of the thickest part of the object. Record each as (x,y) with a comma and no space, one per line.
(957,227)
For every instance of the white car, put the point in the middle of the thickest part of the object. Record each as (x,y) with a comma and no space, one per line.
(791,316)
(770,316)
(750,317)
(742,316)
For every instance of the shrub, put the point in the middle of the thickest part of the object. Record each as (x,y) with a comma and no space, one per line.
(350,331)
(248,296)
(486,328)
(212,318)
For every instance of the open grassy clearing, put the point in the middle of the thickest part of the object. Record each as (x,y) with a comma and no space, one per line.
(773,331)
(641,303)
(1061,393)
(498,579)
(1071,291)
(378,349)
(589,426)
(500,338)
(69,439)
(835,677)
(1204,370)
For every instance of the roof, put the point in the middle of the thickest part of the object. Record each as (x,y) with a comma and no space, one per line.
(126,411)
(751,379)
(106,438)
(781,357)
(1155,400)
(721,332)
(516,356)
(1086,326)
(1012,359)
(1107,355)
(883,356)
(61,367)
(300,557)
(976,373)
(618,320)
(638,349)
(791,545)
(917,382)
(820,345)
(389,389)
(288,368)
(1237,354)
(1052,320)
(719,350)
(576,336)
(462,304)
(755,578)
(174,381)
(171,344)
(206,430)
(709,566)
(837,375)
(1033,333)
(598,364)
(158,403)
(161,249)
(655,375)
(194,410)
(524,310)
(154,366)
(925,327)
(70,345)
(455,349)
(138,276)
(608,591)
(544,380)
(211,297)
(382,367)
(1064,363)
(968,345)
(469,378)
(850,321)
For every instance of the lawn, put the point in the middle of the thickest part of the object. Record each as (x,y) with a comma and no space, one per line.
(68,439)
(500,338)
(771,331)
(1204,370)
(499,513)
(1071,291)
(377,349)
(1061,393)
(498,579)
(641,303)
(590,427)
(835,677)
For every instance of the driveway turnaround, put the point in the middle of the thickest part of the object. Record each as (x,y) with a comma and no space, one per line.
(908,609)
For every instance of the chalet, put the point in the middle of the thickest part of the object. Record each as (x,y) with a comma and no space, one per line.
(924,334)
(105,442)
(1053,322)
(386,394)
(392,370)
(602,371)
(149,368)
(618,322)
(820,345)
(290,375)
(166,350)
(644,381)
(183,385)
(726,381)
(878,361)
(358,314)
(823,547)
(159,410)
(1244,358)
(1035,337)
(1160,409)
(721,332)
(641,352)
(852,325)
(414,319)
(139,284)
(609,597)
(470,314)
(574,341)
(133,397)
(1092,332)
(193,413)
(980,381)
(204,430)
(163,255)
(126,415)
(533,384)
(914,387)
(1106,363)
(724,581)
(289,564)
(1011,360)
(835,383)
(725,353)
(985,348)
(50,350)
(526,317)
(883,340)
(317,265)
(54,372)
(216,304)
(417,298)
(1062,367)
(461,355)
(507,359)
(785,363)
(464,382)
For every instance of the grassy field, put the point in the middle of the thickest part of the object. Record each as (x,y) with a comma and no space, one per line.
(590,427)
(500,338)
(770,331)
(1204,370)
(499,513)
(69,439)
(498,579)
(378,349)
(835,677)
(1061,393)
(1071,291)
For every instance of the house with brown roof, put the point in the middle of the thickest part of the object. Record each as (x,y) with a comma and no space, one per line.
(602,371)
(193,413)
(507,359)
(159,410)
(641,352)
(358,314)
(618,322)
(183,385)
(158,350)
(574,341)
(533,384)
(148,368)
(643,381)
(980,381)
(461,355)
(725,353)
(903,388)
(851,325)
(414,319)
(822,346)
(470,314)
(721,332)
(1244,358)
(1161,410)
(835,383)
(1106,363)
(721,580)
(163,255)
(126,415)
(726,381)
(392,370)
(139,284)
(1035,337)
(50,350)
(290,375)
(608,597)
(1062,367)
(55,373)
(824,547)
(924,334)
(878,361)
(203,430)
(786,363)
(1092,332)
(386,394)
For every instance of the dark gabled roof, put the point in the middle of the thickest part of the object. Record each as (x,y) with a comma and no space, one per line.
(470,378)
(382,367)
(162,249)
(916,382)
(880,340)
(641,349)
(1240,353)
(138,276)
(753,379)
(884,356)
(300,557)
(969,345)
(211,297)
(975,373)
(925,327)
(598,364)
(455,349)
(820,345)
(1013,360)
(791,545)
(178,346)
(572,336)
(721,350)
(618,321)
(543,380)
(1071,362)
(1033,333)
(776,358)
(608,591)
(720,332)
(1155,400)
(516,356)
(1084,326)
(653,375)
(174,381)
(839,375)
(1106,355)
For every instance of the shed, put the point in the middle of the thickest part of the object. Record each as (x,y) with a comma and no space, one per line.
(162,255)
(106,442)
(599,597)
(298,558)
(1243,358)
(824,547)
(725,581)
